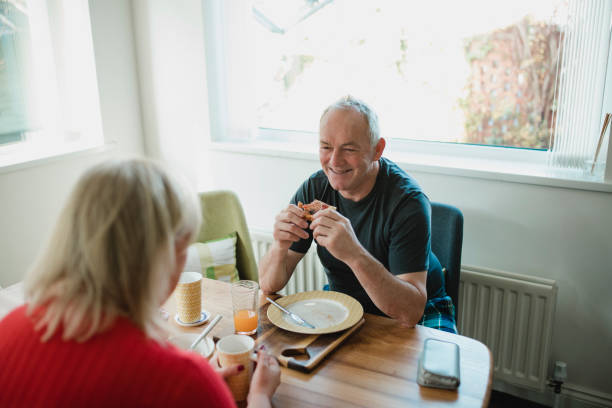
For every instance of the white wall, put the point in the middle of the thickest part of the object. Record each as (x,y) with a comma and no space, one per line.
(170,41)
(32,195)
(556,233)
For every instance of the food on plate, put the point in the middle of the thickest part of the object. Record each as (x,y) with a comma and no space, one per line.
(313,207)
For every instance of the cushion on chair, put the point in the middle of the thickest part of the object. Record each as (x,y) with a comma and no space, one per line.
(222,213)
(214,259)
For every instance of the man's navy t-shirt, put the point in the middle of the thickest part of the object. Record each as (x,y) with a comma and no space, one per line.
(393,223)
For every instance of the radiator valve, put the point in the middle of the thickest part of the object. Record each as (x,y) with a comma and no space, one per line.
(560,373)
(559,376)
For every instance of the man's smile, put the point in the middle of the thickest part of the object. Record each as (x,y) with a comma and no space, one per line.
(339,171)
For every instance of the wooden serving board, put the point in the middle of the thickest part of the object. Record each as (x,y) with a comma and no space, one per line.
(298,351)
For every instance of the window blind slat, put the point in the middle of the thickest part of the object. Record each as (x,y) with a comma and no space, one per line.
(567,91)
(587,80)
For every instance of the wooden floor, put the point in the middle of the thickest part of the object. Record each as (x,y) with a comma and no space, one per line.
(502,400)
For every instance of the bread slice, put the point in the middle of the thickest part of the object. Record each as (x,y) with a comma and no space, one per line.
(313,207)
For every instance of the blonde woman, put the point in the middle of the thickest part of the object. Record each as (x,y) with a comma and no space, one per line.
(89,334)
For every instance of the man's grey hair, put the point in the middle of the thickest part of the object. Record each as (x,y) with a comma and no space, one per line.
(350,102)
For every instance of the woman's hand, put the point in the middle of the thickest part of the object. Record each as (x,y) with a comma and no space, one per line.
(266,379)
(225,372)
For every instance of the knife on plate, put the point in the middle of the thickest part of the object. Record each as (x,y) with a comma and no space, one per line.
(294,316)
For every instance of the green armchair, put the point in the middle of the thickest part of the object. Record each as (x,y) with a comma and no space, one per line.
(222,214)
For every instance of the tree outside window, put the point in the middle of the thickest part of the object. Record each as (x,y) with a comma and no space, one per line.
(511,88)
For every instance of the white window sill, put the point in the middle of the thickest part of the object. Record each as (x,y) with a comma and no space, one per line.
(18,158)
(501,170)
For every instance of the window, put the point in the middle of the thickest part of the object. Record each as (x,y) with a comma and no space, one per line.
(486,74)
(431,75)
(48,90)
(14,92)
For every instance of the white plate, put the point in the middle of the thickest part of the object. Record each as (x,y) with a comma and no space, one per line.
(321,313)
(328,311)
(205,348)
(203,319)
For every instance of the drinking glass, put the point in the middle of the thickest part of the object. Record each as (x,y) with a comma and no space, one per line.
(245,301)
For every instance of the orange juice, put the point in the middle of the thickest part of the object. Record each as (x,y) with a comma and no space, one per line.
(245,321)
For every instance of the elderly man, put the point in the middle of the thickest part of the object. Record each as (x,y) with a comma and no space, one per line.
(375,245)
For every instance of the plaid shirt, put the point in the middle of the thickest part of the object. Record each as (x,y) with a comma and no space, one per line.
(439,314)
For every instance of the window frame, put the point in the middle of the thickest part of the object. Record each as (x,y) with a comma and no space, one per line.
(515,164)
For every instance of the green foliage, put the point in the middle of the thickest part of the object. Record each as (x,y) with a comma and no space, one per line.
(297,65)
(477,48)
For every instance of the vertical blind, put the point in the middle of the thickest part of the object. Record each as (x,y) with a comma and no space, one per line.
(582,71)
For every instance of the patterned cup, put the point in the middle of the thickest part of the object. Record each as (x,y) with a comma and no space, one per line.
(189,297)
(237,349)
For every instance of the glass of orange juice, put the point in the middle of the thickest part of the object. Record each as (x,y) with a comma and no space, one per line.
(245,302)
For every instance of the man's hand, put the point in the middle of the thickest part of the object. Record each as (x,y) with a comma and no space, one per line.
(276,267)
(289,227)
(335,233)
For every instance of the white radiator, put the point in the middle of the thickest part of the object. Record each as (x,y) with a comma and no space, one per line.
(309,274)
(512,314)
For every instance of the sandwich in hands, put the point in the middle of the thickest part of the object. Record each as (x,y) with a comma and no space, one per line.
(310,209)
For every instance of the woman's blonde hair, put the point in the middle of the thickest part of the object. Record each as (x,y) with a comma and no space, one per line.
(112,251)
